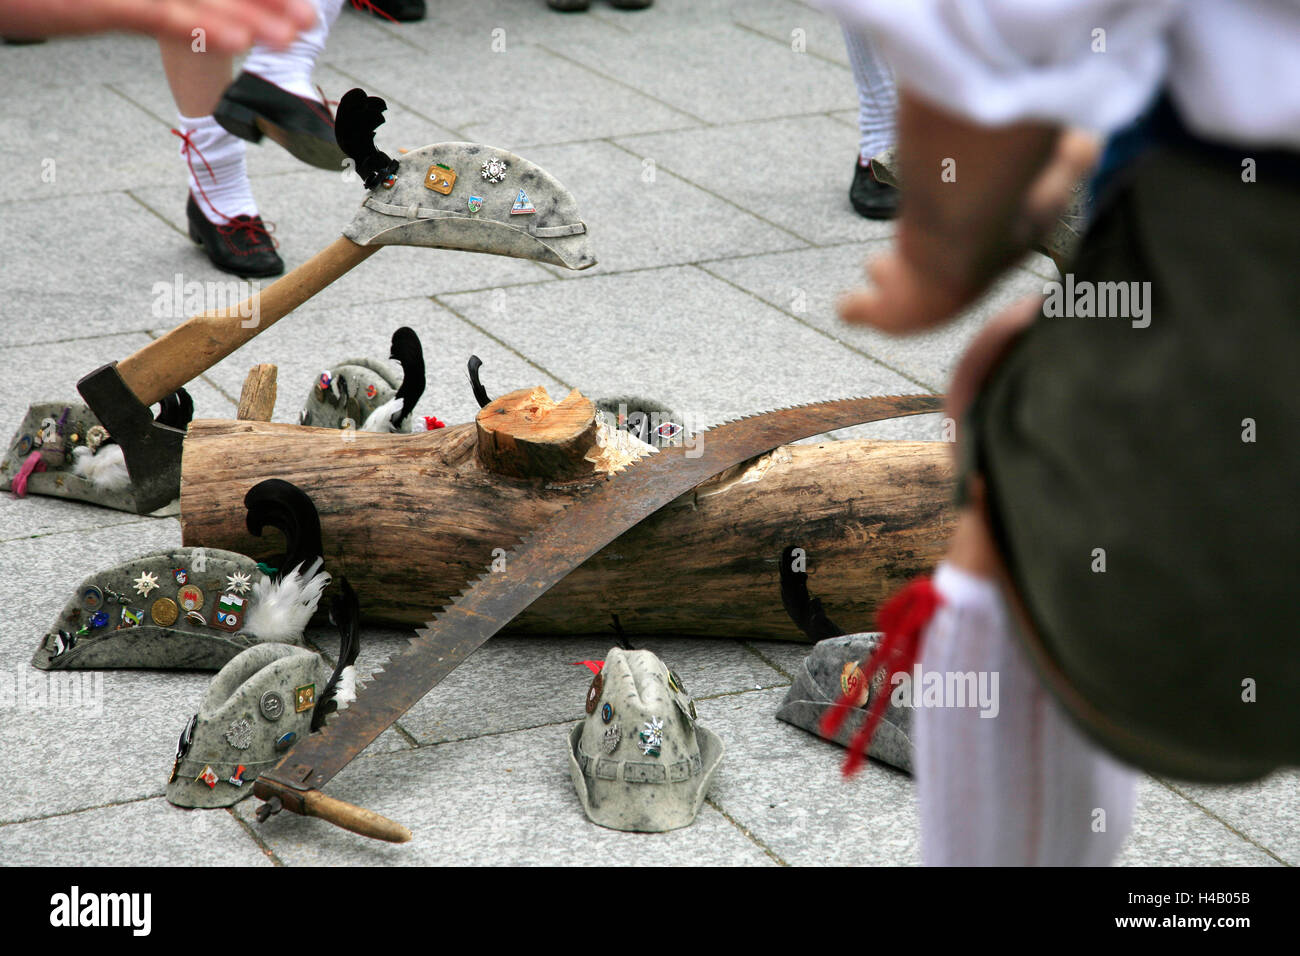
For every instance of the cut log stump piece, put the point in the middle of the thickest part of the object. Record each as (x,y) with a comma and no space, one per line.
(526,434)
(257,400)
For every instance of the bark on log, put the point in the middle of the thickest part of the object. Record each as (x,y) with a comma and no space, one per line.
(410,519)
(257,400)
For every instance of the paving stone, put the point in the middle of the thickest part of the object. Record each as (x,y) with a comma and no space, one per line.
(821,34)
(700,79)
(540,681)
(677,337)
(812,156)
(80,153)
(807,283)
(103,278)
(784,785)
(1170,831)
(566,102)
(1264,811)
(76,62)
(143,833)
(359,37)
(505,800)
(671,221)
(36,516)
(450,28)
(51,370)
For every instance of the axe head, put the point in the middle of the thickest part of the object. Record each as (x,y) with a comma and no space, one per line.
(478,199)
(152,450)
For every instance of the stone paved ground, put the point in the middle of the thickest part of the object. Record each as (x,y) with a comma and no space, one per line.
(714,293)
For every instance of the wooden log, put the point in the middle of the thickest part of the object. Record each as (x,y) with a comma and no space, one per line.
(410,519)
(257,400)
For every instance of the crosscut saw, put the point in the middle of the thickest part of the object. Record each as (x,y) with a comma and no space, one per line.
(540,561)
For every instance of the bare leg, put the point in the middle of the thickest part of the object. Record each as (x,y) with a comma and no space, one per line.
(197,80)
(215,159)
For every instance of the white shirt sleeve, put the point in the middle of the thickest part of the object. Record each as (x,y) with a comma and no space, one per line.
(1088,63)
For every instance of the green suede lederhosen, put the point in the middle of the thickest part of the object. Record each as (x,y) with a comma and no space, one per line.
(1100,441)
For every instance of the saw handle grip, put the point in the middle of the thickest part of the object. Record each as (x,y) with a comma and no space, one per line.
(193,347)
(357,819)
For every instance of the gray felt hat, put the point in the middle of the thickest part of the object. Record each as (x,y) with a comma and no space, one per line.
(187,608)
(367,394)
(61,450)
(352,389)
(650,421)
(257,707)
(640,761)
(831,670)
(477,198)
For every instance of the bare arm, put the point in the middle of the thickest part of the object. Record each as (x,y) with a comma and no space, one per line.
(230,26)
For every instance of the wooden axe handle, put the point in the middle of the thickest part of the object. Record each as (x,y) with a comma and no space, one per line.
(190,349)
(357,819)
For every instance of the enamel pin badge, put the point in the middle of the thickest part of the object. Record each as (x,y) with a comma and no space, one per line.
(523,205)
(440,178)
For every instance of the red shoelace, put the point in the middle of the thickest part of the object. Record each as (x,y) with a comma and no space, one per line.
(252,226)
(365,5)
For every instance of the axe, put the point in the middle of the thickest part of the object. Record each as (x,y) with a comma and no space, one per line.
(464,196)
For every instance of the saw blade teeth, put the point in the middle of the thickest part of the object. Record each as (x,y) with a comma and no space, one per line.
(419,640)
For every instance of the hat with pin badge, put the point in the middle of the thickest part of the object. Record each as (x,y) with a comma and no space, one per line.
(367,394)
(834,669)
(256,708)
(262,703)
(459,196)
(645,419)
(641,761)
(196,608)
(62,450)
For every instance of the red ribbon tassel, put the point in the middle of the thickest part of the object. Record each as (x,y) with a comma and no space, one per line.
(593,666)
(902,619)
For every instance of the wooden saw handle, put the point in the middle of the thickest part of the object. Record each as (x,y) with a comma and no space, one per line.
(193,347)
(357,819)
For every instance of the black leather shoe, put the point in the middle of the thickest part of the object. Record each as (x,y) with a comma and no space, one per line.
(569,6)
(241,247)
(631,4)
(252,107)
(870,197)
(403,11)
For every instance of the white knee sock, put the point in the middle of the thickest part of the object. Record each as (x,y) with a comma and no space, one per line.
(218,176)
(1024,787)
(877,98)
(291,69)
